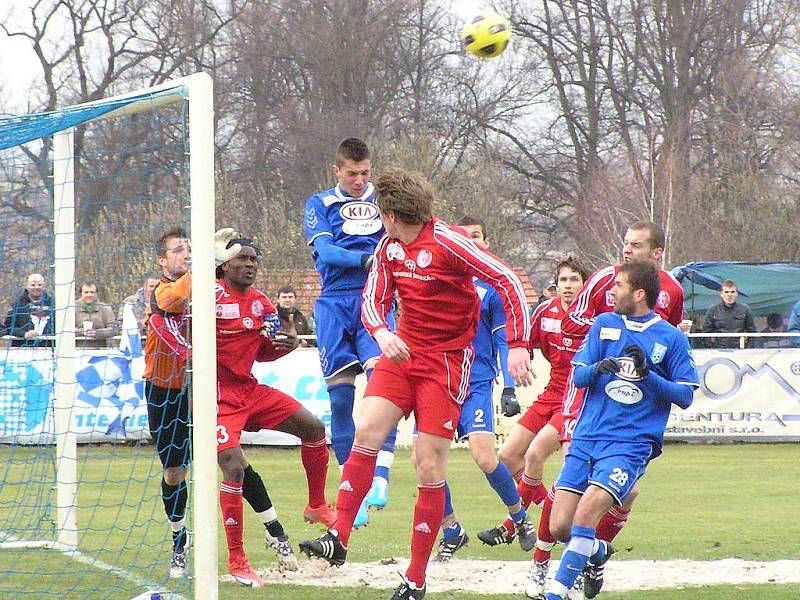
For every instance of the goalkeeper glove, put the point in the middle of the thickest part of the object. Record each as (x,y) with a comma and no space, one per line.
(221,240)
(607,366)
(366,261)
(639,359)
(508,402)
(271,325)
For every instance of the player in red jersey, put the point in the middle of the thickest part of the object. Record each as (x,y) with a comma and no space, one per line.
(244,318)
(539,432)
(644,240)
(424,368)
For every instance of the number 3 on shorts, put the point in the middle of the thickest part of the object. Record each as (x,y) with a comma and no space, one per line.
(222,434)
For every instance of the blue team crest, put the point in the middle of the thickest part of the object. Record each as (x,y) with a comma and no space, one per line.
(658,353)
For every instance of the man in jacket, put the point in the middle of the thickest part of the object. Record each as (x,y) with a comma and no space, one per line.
(729,316)
(94,319)
(31,315)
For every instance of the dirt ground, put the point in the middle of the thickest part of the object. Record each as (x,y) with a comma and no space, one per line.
(497,577)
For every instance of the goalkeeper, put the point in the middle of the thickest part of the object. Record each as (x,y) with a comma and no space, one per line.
(166,348)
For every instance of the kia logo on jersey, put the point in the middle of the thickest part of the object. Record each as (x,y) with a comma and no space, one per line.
(359,211)
(360,218)
(627,369)
(257,308)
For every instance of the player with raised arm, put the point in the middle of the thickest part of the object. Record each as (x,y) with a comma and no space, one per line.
(245,334)
(634,366)
(166,350)
(343,227)
(476,424)
(164,377)
(424,367)
(644,240)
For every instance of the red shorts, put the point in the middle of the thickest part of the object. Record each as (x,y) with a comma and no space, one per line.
(250,408)
(541,411)
(433,386)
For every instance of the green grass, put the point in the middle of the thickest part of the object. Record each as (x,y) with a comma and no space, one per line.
(697,502)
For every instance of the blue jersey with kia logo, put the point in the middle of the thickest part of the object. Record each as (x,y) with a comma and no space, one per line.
(353,225)
(623,406)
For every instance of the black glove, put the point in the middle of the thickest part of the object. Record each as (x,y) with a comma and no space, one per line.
(366,261)
(639,359)
(508,402)
(607,366)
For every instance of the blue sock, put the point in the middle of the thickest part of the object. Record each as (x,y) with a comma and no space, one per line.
(574,558)
(600,552)
(387,446)
(453,531)
(343,428)
(448,501)
(503,483)
(519,516)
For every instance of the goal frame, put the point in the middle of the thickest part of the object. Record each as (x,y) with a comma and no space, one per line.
(197,89)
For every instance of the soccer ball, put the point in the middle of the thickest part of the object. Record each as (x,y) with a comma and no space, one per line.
(486,34)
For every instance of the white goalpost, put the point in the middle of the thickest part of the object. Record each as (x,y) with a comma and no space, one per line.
(75,463)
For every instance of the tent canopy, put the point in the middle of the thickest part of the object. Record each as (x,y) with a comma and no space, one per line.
(765,287)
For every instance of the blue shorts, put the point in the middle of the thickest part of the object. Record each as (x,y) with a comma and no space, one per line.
(613,466)
(341,337)
(477,412)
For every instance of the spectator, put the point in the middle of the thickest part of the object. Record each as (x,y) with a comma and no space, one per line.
(728,316)
(288,313)
(94,320)
(794,323)
(548,291)
(31,315)
(775,324)
(139,301)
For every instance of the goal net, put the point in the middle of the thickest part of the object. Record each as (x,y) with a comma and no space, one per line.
(85,192)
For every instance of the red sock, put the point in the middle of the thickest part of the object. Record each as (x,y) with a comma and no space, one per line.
(314,455)
(230,499)
(531,491)
(356,481)
(545,538)
(612,523)
(428,514)
(518,475)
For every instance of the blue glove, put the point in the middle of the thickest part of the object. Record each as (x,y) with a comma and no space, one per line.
(271,325)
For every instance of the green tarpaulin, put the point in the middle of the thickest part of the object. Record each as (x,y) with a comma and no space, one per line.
(765,287)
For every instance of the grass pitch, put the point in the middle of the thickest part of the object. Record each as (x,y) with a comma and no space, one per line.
(697,502)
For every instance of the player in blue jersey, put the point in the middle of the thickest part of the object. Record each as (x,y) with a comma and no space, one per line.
(343,227)
(634,366)
(476,424)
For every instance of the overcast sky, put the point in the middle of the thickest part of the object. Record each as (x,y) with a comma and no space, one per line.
(19,67)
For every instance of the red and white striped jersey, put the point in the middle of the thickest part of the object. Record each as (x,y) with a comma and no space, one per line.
(595,298)
(557,349)
(433,278)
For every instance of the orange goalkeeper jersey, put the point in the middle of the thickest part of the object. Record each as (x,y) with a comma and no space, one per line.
(167,342)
